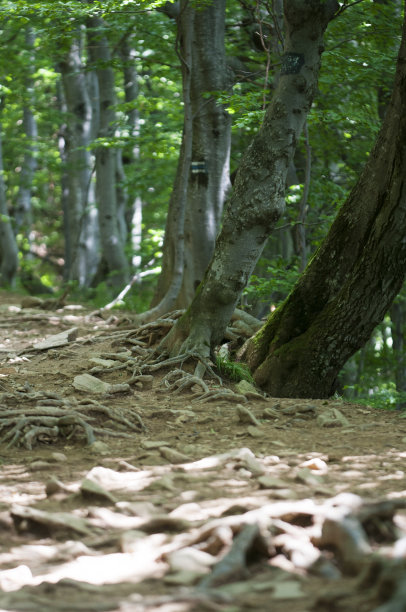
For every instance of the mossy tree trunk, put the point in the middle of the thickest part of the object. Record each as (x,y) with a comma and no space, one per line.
(258,196)
(353,278)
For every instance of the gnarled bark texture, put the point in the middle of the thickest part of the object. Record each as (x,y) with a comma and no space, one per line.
(353,278)
(257,200)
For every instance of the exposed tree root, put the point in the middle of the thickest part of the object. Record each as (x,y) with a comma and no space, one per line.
(51,417)
(54,417)
(220,394)
(158,345)
(177,380)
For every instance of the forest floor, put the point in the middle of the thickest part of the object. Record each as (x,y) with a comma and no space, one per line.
(229,504)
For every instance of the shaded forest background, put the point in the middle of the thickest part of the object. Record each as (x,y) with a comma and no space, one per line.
(92,113)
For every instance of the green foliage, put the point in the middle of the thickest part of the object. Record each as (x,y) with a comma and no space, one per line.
(384,397)
(245,106)
(233,370)
(275,284)
(355,84)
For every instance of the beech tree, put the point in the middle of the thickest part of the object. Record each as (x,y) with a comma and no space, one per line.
(8,244)
(202,178)
(80,214)
(111,220)
(353,278)
(258,197)
(23,209)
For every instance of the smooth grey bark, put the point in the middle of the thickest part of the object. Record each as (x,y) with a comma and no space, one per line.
(8,244)
(353,278)
(131,90)
(207,188)
(112,244)
(80,213)
(23,209)
(173,260)
(210,130)
(121,196)
(257,199)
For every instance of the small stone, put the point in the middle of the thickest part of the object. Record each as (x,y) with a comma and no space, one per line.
(245,415)
(166,482)
(308,408)
(152,444)
(340,417)
(246,388)
(253,466)
(270,482)
(332,418)
(255,432)
(61,339)
(190,559)
(37,466)
(284,494)
(105,363)
(53,486)
(308,476)
(91,384)
(173,456)
(59,457)
(289,410)
(270,413)
(90,489)
(100,448)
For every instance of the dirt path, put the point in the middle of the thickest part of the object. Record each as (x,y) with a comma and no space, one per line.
(264,504)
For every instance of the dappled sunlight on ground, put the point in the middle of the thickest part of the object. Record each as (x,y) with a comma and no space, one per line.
(280,504)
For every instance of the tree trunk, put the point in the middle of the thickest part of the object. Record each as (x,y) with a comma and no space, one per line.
(353,278)
(257,200)
(8,245)
(80,222)
(208,176)
(398,318)
(112,245)
(134,212)
(173,259)
(23,209)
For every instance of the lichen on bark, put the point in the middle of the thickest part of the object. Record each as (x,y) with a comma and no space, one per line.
(257,199)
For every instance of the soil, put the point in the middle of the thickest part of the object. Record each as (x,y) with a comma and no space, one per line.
(235,503)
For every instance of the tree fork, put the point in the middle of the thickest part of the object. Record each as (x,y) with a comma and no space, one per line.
(353,278)
(257,199)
